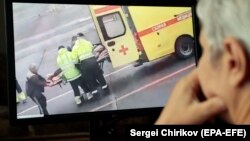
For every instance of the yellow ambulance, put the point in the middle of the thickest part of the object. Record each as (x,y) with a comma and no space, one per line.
(143,33)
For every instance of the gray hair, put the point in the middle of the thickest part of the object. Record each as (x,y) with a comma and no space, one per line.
(32,67)
(225,18)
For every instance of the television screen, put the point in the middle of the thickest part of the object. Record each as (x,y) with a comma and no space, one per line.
(89,59)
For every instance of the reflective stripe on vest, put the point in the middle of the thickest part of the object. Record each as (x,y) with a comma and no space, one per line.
(74,78)
(85,56)
(67,67)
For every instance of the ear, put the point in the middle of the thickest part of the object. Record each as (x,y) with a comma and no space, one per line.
(237,61)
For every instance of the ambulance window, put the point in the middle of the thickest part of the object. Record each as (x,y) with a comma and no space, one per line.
(112,25)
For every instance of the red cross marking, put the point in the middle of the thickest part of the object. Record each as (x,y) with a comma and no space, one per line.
(123,50)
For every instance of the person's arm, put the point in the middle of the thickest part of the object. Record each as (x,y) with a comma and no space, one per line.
(184,106)
(57,72)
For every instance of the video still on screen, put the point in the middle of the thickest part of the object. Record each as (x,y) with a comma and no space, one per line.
(88,58)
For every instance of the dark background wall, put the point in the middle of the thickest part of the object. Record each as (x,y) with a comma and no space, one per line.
(3,77)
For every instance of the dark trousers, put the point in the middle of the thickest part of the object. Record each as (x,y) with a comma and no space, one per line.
(18,88)
(41,101)
(79,82)
(92,73)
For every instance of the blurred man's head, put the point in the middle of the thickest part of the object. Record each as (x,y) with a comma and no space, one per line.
(80,34)
(224,66)
(60,47)
(69,48)
(33,68)
(73,40)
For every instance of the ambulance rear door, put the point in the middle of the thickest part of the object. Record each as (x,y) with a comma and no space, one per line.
(115,34)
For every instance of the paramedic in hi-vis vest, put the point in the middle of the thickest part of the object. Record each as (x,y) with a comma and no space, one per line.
(21,95)
(91,72)
(66,63)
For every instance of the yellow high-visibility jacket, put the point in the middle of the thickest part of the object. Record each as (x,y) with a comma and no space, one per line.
(82,50)
(66,63)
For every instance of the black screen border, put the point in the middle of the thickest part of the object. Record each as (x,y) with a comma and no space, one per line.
(89,115)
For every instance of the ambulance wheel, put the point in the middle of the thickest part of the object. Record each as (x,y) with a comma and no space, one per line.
(184,46)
